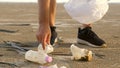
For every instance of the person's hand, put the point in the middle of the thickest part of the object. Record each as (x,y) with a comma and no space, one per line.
(43,35)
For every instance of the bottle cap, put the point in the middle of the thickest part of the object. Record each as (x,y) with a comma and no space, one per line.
(48,59)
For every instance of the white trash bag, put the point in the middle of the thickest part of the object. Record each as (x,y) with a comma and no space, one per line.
(86,11)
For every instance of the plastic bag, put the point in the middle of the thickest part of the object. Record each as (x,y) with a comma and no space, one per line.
(86,11)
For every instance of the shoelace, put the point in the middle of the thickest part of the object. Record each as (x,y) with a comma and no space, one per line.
(91,34)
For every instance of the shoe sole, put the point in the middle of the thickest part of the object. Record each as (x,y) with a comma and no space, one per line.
(80,41)
(56,40)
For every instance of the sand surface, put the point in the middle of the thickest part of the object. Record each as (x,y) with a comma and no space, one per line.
(19,23)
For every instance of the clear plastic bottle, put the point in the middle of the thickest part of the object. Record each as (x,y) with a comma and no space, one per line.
(37,57)
(48,49)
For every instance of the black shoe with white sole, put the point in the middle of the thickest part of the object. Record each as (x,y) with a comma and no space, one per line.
(53,35)
(88,37)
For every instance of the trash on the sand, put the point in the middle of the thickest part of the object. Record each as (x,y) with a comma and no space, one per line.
(52,66)
(37,57)
(80,53)
(48,49)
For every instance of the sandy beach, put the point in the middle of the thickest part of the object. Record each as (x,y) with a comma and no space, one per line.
(19,23)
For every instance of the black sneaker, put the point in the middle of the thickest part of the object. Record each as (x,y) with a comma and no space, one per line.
(53,35)
(88,37)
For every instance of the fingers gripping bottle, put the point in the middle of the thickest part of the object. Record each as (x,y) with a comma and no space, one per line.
(37,57)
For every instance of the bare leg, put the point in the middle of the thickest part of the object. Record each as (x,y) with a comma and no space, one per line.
(44,8)
(86,25)
(52,12)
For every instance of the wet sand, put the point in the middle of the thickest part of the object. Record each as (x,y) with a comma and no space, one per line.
(19,23)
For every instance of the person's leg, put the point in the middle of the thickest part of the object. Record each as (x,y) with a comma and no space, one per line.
(52,15)
(52,12)
(44,9)
(89,37)
(86,25)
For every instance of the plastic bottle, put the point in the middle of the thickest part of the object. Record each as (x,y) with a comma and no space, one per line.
(37,57)
(48,49)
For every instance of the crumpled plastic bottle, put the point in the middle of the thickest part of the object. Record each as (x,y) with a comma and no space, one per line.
(37,57)
(48,49)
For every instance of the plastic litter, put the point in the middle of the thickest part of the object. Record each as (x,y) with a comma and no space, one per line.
(37,57)
(48,49)
(80,53)
(87,11)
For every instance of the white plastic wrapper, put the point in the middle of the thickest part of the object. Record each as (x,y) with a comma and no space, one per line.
(87,11)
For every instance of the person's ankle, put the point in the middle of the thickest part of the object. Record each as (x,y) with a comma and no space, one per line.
(85,26)
(52,28)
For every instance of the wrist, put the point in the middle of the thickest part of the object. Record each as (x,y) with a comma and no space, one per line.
(44,25)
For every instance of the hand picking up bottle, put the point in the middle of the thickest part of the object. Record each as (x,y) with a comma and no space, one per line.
(52,66)
(37,57)
(80,53)
(48,49)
